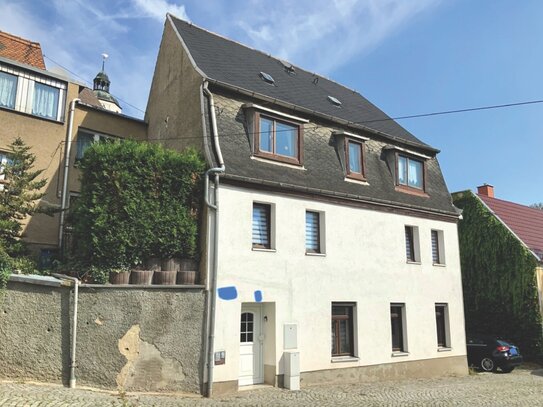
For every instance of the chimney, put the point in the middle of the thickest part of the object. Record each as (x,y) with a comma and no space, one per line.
(487,190)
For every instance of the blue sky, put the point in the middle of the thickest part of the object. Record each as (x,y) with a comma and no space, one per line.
(406,56)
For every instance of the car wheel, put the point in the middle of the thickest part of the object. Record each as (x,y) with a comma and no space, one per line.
(507,369)
(487,364)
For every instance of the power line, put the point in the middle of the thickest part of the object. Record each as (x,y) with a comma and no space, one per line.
(89,83)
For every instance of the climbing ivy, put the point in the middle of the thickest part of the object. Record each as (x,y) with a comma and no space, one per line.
(498,278)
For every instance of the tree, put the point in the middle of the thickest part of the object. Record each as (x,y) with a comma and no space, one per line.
(18,196)
(538,205)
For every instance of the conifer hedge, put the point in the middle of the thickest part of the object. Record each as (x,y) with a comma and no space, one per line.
(498,278)
(138,200)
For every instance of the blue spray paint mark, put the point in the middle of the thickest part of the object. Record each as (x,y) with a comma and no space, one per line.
(228,293)
(258,296)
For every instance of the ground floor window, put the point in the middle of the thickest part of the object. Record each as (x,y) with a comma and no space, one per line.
(397,317)
(342,329)
(441,325)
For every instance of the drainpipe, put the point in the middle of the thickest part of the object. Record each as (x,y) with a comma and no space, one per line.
(75,282)
(212,286)
(67,151)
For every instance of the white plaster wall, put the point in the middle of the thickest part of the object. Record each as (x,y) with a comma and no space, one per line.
(365,263)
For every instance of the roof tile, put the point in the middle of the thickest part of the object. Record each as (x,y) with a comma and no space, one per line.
(21,50)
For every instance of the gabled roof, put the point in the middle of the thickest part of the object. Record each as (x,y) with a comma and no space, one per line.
(525,222)
(21,50)
(239,66)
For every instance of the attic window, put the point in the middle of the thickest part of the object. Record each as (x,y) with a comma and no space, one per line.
(334,101)
(266,77)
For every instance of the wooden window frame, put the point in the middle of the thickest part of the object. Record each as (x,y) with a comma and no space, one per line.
(268,211)
(298,160)
(319,231)
(406,187)
(442,328)
(335,326)
(355,175)
(401,309)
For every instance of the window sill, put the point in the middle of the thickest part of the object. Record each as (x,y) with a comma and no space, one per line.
(61,122)
(399,354)
(344,359)
(412,191)
(445,349)
(439,265)
(278,160)
(413,262)
(315,254)
(258,249)
(356,181)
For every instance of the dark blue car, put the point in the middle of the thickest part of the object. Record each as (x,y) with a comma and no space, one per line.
(490,353)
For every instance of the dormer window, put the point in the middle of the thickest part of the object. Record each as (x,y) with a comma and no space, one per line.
(354,150)
(410,172)
(278,139)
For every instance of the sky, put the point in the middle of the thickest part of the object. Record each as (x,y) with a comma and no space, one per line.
(406,56)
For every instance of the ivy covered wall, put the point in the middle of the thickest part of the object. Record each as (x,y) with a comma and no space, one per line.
(498,278)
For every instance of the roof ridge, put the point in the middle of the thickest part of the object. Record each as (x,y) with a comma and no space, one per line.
(539,211)
(278,59)
(21,39)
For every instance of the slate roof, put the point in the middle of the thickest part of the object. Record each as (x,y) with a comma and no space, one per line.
(21,50)
(232,63)
(525,222)
(88,97)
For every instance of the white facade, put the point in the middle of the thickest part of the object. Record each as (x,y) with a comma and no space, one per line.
(364,263)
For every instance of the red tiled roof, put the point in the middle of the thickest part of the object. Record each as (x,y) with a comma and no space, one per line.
(525,222)
(21,50)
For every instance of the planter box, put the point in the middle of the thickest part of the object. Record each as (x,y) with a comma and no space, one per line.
(141,277)
(186,277)
(165,277)
(119,278)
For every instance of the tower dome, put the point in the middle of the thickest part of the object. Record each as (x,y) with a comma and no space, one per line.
(100,88)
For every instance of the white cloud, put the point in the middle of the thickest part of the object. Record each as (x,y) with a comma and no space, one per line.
(157,9)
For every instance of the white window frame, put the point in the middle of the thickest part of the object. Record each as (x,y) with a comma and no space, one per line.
(403,317)
(271,226)
(321,237)
(416,244)
(4,156)
(446,321)
(440,246)
(97,137)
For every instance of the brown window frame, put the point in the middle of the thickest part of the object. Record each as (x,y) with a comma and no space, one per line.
(267,208)
(406,187)
(441,326)
(350,325)
(298,160)
(397,309)
(350,174)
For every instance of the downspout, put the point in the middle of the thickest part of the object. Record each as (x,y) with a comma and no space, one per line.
(75,283)
(67,152)
(212,285)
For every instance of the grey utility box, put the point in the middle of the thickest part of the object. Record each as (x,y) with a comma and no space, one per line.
(292,370)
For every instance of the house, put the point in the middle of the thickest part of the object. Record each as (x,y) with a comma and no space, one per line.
(501,250)
(58,117)
(330,245)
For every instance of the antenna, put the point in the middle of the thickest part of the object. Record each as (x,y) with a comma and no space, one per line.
(104,57)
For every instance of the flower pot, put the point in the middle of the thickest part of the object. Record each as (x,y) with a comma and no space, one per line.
(165,277)
(171,264)
(153,264)
(119,278)
(141,277)
(186,277)
(188,265)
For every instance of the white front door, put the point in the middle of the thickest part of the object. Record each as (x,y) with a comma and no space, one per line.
(250,349)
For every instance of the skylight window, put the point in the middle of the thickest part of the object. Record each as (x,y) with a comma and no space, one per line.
(334,101)
(267,78)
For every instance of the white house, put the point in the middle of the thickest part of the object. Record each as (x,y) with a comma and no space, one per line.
(330,245)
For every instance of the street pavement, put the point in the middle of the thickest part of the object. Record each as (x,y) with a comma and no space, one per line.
(522,387)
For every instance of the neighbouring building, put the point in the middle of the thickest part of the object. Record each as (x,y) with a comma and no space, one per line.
(35,106)
(336,255)
(501,251)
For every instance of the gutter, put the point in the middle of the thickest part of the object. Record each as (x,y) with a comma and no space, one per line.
(211,297)
(75,282)
(67,153)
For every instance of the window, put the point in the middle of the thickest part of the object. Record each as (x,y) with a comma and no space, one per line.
(398,324)
(342,329)
(4,159)
(261,226)
(278,139)
(355,159)
(438,249)
(442,326)
(45,101)
(85,139)
(412,244)
(247,327)
(410,172)
(8,90)
(313,232)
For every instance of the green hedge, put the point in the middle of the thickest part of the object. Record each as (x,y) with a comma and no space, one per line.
(498,276)
(138,200)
